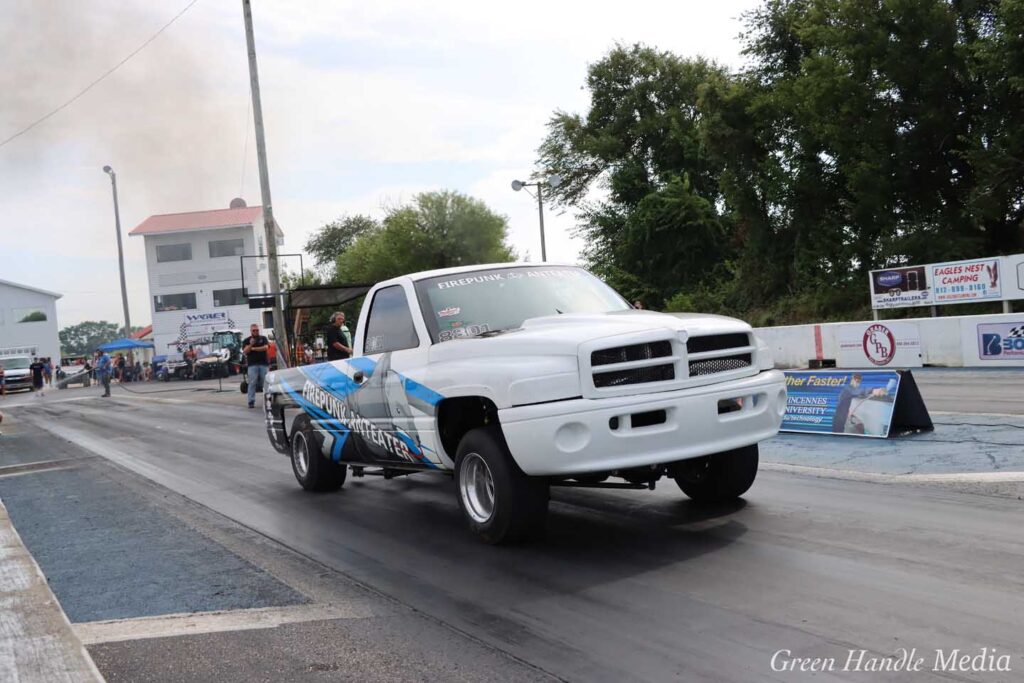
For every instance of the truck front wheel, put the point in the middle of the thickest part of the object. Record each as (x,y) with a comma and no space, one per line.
(312,470)
(500,502)
(717,478)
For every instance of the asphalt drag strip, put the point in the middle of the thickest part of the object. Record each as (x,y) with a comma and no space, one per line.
(159,588)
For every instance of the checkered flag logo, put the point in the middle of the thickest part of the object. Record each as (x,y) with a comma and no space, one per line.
(182,336)
(1017,331)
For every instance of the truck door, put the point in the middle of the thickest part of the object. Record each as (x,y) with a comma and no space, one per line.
(397,410)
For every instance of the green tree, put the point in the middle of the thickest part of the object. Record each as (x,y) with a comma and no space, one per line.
(327,243)
(863,133)
(660,226)
(435,230)
(83,338)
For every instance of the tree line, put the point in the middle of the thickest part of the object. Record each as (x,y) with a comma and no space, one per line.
(860,134)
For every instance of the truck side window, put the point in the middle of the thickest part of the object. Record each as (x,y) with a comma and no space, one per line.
(389,326)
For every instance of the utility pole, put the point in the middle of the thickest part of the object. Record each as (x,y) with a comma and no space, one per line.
(540,210)
(120,252)
(269,226)
(552,182)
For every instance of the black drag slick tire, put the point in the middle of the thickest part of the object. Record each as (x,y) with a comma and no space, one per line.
(500,502)
(312,470)
(717,478)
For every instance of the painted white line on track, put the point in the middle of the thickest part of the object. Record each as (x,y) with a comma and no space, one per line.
(20,472)
(943,478)
(171,625)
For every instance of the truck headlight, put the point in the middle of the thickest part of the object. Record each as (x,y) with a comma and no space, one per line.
(542,389)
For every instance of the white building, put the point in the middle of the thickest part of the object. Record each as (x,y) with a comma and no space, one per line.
(28,321)
(195,272)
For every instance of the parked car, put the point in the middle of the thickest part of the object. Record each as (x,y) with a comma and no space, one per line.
(17,376)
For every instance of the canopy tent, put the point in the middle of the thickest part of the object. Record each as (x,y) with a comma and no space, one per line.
(324,296)
(124,345)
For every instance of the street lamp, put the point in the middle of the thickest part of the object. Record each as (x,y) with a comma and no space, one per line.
(552,182)
(120,251)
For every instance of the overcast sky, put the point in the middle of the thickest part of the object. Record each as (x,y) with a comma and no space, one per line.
(365,103)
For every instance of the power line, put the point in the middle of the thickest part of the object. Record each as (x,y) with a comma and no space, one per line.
(96,82)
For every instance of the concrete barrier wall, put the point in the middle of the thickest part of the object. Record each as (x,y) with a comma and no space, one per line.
(949,341)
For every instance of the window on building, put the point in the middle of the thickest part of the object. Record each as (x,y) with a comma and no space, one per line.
(173,252)
(29,315)
(390,326)
(174,302)
(220,248)
(229,297)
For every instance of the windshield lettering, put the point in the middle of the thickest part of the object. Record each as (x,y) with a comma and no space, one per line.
(501,299)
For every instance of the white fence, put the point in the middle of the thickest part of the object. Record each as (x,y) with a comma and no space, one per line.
(954,341)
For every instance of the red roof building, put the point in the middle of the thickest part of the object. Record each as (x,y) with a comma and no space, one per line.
(146,331)
(201,267)
(164,223)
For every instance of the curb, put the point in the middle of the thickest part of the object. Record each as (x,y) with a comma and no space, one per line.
(37,642)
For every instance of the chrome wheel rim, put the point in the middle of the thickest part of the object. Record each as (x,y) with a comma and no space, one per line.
(476,487)
(300,454)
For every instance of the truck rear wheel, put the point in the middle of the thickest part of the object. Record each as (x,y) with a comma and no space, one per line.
(500,502)
(312,470)
(717,478)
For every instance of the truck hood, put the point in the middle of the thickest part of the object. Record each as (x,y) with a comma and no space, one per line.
(562,335)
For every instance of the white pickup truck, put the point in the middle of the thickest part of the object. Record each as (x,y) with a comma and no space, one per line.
(518,377)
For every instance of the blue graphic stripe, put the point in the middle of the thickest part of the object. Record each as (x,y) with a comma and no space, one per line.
(330,378)
(364,364)
(339,431)
(417,391)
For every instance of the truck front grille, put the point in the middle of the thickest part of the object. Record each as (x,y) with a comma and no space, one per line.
(631,353)
(716,342)
(651,373)
(710,366)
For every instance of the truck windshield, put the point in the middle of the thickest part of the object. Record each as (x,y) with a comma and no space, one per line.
(491,301)
(15,363)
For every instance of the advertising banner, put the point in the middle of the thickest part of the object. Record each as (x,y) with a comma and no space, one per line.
(900,287)
(871,403)
(961,282)
(874,345)
(196,328)
(1001,341)
(858,403)
(1013,276)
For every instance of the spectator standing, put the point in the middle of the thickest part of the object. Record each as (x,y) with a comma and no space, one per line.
(255,348)
(38,370)
(339,340)
(104,368)
(3,385)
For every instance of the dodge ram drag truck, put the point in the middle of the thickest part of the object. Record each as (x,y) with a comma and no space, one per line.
(514,378)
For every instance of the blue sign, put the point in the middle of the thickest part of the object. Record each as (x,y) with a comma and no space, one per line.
(840,402)
(1001,341)
(890,278)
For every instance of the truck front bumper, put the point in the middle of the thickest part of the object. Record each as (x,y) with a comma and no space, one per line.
(600,435)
